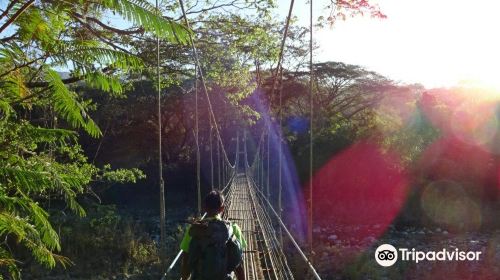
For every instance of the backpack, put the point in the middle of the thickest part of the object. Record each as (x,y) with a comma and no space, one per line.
(214,252)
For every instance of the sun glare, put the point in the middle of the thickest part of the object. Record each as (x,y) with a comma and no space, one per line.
(488,89)
(434,43)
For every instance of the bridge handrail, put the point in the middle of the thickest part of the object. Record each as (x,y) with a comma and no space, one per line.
(290,236)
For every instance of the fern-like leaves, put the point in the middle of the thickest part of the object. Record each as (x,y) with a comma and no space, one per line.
(142,13)
(67,105)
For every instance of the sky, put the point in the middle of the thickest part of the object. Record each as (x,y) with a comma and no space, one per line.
(437,43)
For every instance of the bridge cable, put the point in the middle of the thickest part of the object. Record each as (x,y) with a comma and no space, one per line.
(269,232)
(267,228)
(280,117)
(211,155)
(202,78)
(277,256)
(160,158)
(285,229)
(278,72)
(197,140)
(218,166)
(311,111)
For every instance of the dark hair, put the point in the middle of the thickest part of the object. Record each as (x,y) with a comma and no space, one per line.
(214,200)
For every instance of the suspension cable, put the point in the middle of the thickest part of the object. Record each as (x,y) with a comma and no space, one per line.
(280,117)
(279,72)
(279,66)
(262,170)
(283,226)
(251,182)
(257,152)
(271,238)
(237,160)
(197,140)
(218,166)
(202,78)
(311,111)
(211,156)
(160,158)
(268,159)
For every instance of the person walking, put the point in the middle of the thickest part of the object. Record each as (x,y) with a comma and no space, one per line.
(212,248)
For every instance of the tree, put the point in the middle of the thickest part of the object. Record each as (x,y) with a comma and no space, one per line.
(341,9)
(41,114)
(343,92)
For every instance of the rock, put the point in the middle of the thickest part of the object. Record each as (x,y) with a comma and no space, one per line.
(445,232)
(369,239)
(332,237)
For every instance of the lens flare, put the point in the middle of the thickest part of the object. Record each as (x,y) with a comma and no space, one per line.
(469,114)
(293,202)
(448,205)
(475,124)
(359,192)
(396,109)
(449,158)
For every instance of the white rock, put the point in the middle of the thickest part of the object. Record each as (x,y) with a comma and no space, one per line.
(332,237)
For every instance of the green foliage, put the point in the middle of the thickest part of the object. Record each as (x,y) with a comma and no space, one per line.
(29,174)
(104,82)
(121,243)
(231,37)
(121,175)
(410,138)
(68,107)
(142,13)
(41,113)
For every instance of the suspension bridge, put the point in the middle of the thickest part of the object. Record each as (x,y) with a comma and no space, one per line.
(247,202)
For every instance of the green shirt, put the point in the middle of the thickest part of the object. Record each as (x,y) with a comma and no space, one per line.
(236,231)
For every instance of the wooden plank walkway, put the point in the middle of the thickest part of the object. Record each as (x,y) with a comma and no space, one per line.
(263,258)
(239,209)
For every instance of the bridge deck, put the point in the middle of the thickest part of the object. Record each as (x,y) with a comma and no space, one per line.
(239,209)
(262,258)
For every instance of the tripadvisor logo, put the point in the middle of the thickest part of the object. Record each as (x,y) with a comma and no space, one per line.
(387,255)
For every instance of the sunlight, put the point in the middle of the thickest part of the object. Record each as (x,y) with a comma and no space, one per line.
(435,43)
(488,86)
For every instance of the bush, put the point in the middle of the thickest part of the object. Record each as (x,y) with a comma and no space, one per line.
(104,243)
